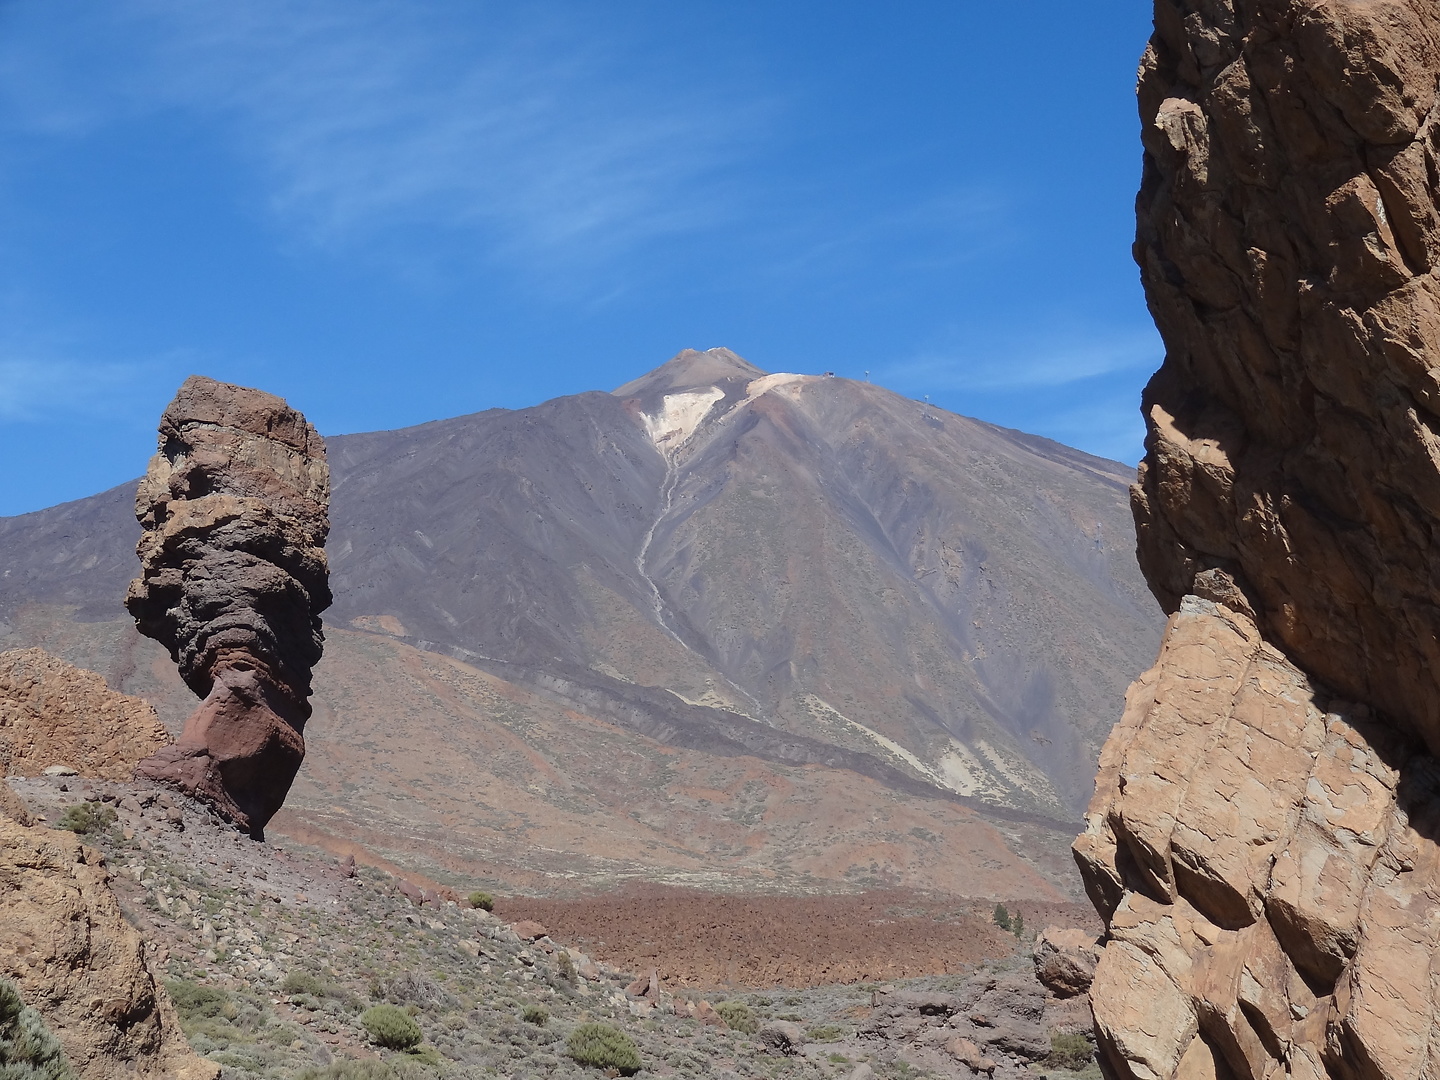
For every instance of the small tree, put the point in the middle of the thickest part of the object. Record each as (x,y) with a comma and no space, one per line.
(1017,924)
(1002,917)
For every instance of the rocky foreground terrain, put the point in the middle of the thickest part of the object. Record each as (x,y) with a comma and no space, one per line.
(271,954)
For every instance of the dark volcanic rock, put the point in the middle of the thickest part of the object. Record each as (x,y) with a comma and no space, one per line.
(233,580)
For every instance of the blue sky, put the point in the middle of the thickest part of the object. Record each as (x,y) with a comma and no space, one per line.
(392,211)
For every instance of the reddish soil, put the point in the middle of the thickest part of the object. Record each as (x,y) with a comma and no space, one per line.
(707,940)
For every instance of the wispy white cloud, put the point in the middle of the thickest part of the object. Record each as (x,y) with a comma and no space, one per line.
(534,134)
(1021,364)
(32,390)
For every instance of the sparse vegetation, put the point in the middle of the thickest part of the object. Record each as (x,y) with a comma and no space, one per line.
(87,817)
(825,1033)
(28,1051)
(535,1014)
(1071,1051)
(565,966)
(391,1027)
(482,900)
(302,982)
(604,1047)
(738,1015)
(362,1070)
(1002,917)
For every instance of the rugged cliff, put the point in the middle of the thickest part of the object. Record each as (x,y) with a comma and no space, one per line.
(1263,837)
(233,580)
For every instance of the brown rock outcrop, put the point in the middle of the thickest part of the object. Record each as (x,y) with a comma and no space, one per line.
(81,966)
(233,580)
(53,713)
(1065,959)
(1262,842)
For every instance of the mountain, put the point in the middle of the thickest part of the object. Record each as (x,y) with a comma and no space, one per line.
(798,583)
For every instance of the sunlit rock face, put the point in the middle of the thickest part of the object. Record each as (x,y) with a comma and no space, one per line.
(233,580)
(1263,836)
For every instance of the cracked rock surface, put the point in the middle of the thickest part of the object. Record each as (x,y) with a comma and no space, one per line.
(1262,841)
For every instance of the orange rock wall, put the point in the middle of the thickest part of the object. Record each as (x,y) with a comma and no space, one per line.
(1262,841)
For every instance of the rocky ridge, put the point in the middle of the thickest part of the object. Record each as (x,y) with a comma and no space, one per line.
(53,714)
(1262,841)
(233,579)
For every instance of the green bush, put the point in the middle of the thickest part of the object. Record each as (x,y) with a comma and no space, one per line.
(824,1033)
(1071,1052)
(535,1014)
(87,817)
(566,966)
(1001,917)
(195,1002)
(482,900)
(27,1049)
(303,982)
(605,1047)
(738,1015)
(390,1027)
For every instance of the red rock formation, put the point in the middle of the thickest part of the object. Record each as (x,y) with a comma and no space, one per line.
(1262,841)
(233,581)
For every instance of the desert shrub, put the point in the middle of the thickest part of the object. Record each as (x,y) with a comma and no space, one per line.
(738,1015)
(1070,1051)
(302,982)
(825,1033)
(390,1027)
(566,966)
(605,1047)
(84,818)
(196,1002)
(362,1070)
(1017,925)
(535,1014)
(28,1051)
(484,900)
(415,988)
(1001,917)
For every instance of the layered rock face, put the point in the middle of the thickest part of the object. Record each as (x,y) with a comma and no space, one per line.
(80,964)
(1262,841)
(234,577)
(53,713)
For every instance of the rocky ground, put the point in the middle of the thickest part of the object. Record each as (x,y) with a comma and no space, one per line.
(272,953)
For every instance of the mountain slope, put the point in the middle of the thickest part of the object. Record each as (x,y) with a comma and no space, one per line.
(809,571)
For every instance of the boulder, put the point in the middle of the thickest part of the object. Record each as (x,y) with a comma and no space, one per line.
(234,509)
(529,930)
(1065,960)
(968,1054)
(781,1037)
